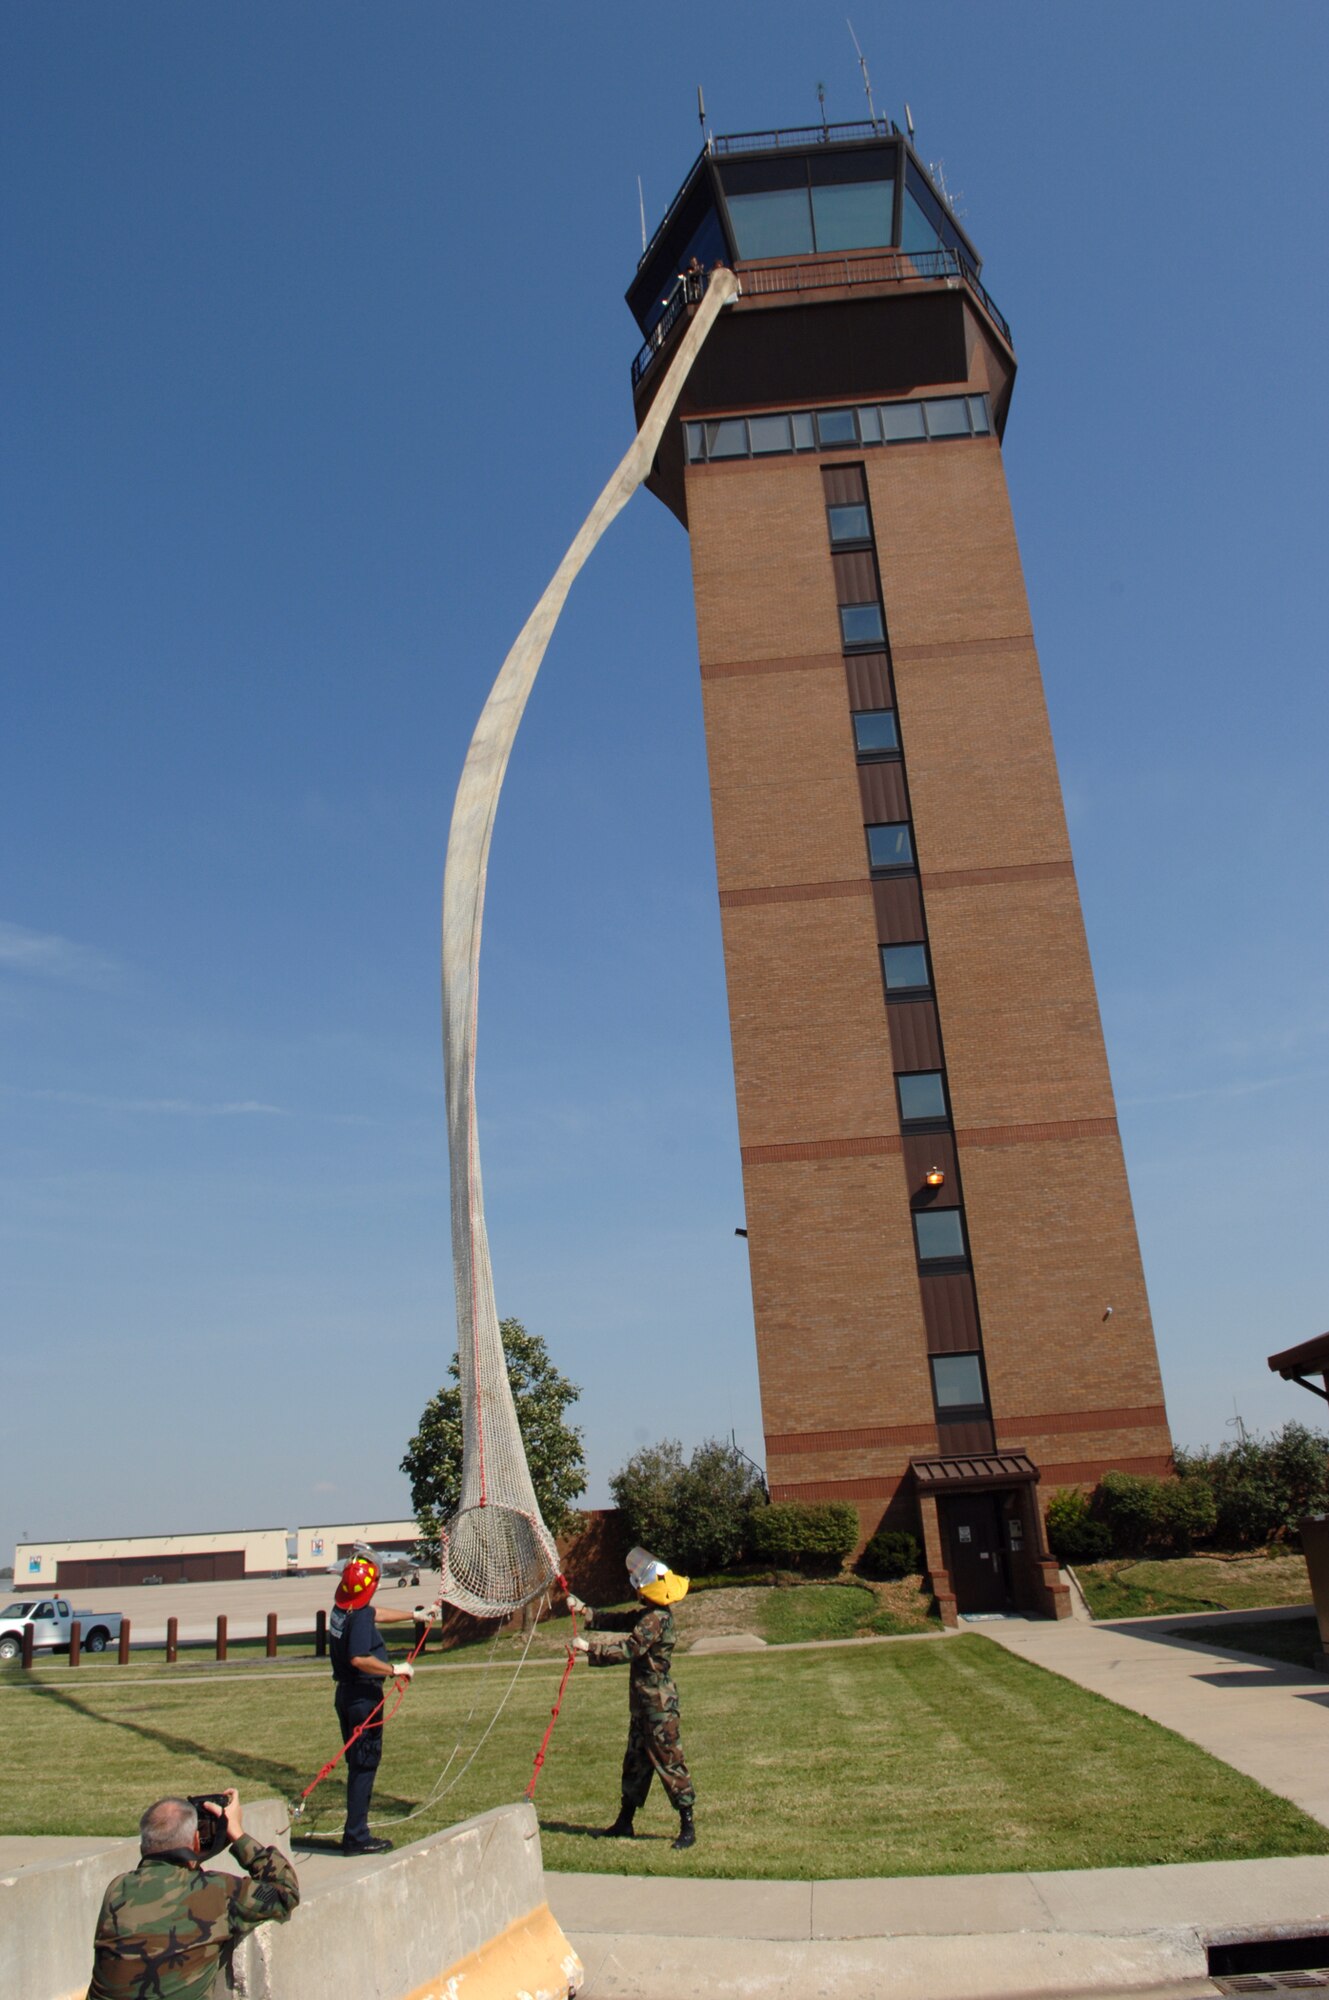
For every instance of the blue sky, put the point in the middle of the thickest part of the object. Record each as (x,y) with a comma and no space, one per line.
(315,355)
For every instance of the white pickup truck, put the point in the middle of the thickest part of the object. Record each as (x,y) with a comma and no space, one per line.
(50,1619)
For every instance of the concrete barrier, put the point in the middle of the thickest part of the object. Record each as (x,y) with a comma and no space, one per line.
(466,1905)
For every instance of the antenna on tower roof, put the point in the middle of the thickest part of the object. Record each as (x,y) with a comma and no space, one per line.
(641,203)
(701,120)
(821,100)
(909,122)
(863,65)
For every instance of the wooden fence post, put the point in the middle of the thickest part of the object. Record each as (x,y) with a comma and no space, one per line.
(122,1656)
(27,1646)
(75,1643)
(320,1635)
(272,1635)
(172,1641)
(221,1635)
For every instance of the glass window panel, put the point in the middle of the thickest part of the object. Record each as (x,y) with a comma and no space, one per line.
(696,438)
(922,1095)
(860,624)
(917,234)
(890,846)
(940,1233)
(770,434)
(978,414)
(874,729)
(905,966)
(958,1381)
(837,427)
(948,416)
(804,438)
(728,438)
(902,420)
(777,224)
(853,217)
(869,425)
(849,524)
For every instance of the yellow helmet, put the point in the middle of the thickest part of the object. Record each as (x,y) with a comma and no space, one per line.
(667,1589)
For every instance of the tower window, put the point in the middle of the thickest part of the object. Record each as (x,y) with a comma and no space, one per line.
(939,1233)
(901,421)
(875,732)
(837,427)
(957,1382)
(948,416)
(922,1097)
(890,846)
(905,968)
(848,524)
(770,434)
(860,625)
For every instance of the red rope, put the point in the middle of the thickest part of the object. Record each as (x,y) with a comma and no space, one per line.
(558,1702)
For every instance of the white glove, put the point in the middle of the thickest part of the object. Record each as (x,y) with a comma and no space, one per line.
(576,1604)
(405,1672)
(581,1645)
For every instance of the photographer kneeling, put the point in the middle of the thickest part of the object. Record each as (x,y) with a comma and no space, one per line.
(164,1927)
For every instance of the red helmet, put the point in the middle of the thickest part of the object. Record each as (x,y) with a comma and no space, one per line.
(359,1581)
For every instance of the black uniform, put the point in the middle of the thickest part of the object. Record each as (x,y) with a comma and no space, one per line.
(353,1635)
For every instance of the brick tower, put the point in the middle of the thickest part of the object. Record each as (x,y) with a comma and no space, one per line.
(937,1209)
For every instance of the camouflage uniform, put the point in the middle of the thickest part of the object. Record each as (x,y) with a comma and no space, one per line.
(164,1927)
(654,1731)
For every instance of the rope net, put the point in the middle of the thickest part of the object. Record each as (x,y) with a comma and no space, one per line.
(497,1553)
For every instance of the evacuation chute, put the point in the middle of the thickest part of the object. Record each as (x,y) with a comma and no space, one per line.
(497,1553)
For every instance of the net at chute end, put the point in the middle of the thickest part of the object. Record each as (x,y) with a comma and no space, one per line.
(496,1559)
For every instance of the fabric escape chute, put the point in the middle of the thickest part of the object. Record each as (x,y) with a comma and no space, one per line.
(497,1554)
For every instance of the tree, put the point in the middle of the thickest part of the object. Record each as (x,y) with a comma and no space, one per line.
(553,1447)
(645,1491)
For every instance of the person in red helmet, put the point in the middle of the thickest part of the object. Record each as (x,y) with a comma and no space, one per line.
(361,1670)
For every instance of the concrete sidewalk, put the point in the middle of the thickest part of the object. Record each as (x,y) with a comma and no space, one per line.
(1268,1720)
(948,1937)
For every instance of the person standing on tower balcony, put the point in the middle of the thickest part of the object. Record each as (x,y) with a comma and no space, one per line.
(655,1747)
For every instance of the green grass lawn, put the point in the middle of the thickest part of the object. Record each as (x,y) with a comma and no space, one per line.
(1124,1588)
(942,1756)
(1295,1640)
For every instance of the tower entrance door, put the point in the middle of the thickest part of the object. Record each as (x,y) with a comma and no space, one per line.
(976,1558)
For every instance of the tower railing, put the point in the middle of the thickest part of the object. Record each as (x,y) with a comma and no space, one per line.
(814,274)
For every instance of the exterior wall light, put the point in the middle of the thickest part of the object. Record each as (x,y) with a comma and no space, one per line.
(934,1177)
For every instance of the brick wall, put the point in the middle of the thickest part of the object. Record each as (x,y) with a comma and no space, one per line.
(841,1342)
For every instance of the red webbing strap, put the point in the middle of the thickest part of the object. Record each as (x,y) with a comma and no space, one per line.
(558,1702)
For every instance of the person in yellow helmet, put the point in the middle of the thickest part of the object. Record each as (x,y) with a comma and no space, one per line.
(655,1747)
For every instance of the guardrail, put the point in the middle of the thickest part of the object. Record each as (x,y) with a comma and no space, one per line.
(811,274)
(802,135)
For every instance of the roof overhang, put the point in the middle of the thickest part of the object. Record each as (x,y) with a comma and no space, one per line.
(1294,1364)
(989,1468)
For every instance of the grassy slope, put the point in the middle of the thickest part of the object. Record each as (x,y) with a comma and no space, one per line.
(879,1760)
(1121,1588)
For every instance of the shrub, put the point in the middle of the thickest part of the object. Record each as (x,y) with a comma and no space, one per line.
(891,1553)
(1184,1512)
(645,1491)
(1127,1505)
(694,1516)
(1074,1536)
(713,1507)
(796,1534)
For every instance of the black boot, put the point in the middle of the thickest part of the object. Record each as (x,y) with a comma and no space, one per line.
(622,1827)
(687,1832)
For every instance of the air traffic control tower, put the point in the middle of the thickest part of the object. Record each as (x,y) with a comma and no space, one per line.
(950,1309)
